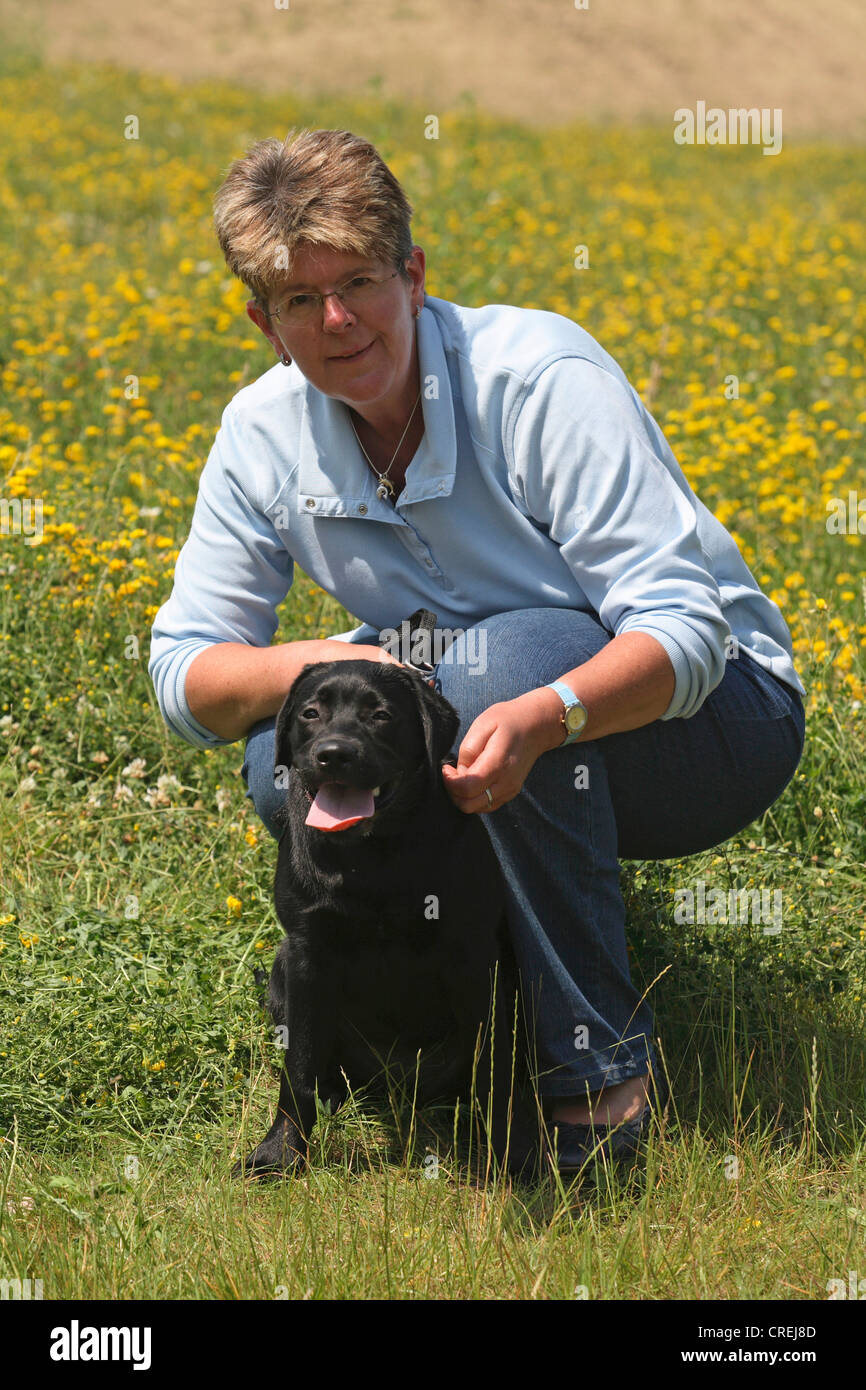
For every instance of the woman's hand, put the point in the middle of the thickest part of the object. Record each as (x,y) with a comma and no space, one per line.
(500,749)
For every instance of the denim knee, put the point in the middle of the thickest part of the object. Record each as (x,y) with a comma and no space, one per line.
(258,773)
(510,653)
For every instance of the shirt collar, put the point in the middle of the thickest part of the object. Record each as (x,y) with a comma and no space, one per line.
(332,471)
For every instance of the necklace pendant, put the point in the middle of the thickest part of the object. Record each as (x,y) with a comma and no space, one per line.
(385,489)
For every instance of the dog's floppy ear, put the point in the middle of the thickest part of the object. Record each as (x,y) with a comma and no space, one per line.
(285,719)
(439,722)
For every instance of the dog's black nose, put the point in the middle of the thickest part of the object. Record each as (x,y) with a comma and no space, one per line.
(335,755)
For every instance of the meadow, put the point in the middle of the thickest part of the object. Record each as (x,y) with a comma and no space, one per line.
(135,889)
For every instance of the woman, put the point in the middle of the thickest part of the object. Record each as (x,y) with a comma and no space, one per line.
(637,694)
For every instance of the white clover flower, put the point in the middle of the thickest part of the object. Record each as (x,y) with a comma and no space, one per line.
(158,795)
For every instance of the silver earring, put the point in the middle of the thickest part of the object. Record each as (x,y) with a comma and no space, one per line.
(285,359)
(418,311)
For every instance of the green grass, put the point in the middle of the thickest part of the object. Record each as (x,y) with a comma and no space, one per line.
(365,1222)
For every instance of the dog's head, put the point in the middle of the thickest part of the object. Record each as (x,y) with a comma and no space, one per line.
(367,740)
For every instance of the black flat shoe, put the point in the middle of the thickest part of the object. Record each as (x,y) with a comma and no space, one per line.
(575,1147)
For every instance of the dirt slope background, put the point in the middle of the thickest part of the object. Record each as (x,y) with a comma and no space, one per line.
(543,61)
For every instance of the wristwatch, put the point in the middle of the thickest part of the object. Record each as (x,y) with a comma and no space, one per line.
(575,714)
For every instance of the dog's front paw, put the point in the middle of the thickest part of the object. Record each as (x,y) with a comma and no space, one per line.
(282,1152)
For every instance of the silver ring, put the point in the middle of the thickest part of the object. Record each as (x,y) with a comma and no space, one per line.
(488,795)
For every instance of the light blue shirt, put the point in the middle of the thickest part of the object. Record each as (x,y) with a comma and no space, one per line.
(540,481)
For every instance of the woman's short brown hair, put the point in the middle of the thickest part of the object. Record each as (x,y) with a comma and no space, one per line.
(316,187)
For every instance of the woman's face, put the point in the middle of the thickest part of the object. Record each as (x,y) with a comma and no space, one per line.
(361,357)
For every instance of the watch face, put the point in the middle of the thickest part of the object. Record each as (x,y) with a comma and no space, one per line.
(575,717)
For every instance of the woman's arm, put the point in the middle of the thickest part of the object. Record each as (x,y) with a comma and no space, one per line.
(629,683)
(231,686)
(589,466)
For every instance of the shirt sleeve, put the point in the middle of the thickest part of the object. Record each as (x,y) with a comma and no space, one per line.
(624,517)
(232,574)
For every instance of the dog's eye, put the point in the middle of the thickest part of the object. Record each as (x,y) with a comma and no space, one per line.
(381,714)
(310,712)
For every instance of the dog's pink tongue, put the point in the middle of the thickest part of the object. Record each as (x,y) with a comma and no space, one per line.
(337,807)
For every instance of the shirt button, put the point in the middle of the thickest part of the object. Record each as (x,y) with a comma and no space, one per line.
(311,501)
(363,508)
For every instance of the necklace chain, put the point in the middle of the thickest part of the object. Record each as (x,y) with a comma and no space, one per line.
(386,487)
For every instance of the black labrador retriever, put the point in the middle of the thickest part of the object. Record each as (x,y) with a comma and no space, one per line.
(393,908)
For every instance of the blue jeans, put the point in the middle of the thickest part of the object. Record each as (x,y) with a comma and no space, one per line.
(669,789)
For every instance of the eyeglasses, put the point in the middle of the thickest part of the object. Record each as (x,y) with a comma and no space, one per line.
(300,310)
